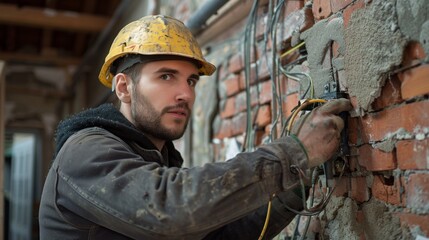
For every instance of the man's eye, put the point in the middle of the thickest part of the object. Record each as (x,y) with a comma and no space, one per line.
(192,82)
(166,76)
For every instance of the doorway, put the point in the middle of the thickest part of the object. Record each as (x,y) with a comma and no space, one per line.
(21,174)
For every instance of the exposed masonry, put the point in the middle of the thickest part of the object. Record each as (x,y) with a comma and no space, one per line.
(390,140)
(369,48)
(377,222)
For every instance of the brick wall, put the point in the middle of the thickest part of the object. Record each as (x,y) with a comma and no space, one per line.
(374,51)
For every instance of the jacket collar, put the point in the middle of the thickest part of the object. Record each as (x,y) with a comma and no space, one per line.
(106,116)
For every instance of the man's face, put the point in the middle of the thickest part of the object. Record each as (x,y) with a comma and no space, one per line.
(163,98)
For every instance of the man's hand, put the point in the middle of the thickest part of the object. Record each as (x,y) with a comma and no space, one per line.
(320,131)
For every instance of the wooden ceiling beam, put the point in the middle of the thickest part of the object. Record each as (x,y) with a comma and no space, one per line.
(40,59)
(79,47)
(37,91)
(49,18)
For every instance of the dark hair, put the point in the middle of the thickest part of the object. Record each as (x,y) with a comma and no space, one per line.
(134,72)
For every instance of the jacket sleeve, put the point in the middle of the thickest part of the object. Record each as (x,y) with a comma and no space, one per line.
(250,227)
(102,180)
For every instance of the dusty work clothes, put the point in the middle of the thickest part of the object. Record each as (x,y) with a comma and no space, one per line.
(108,181)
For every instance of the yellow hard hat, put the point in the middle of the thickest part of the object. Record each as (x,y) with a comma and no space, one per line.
(154,35)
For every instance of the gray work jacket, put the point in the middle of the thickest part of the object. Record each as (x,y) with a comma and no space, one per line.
(100,187)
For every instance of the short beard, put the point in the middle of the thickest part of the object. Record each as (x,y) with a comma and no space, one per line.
(148,120)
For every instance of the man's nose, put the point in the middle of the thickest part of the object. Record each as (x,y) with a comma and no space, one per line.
(185,92)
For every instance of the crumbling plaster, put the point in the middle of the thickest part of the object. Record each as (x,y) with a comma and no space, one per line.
(370,46)
(374,47)
(376,220)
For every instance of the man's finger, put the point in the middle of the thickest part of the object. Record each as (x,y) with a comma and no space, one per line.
(336,106)
(339,123)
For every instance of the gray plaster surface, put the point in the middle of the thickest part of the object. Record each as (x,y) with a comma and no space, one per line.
(374,47)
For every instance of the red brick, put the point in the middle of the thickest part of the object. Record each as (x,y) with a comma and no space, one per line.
(290,103)
(415,82)
(322,9)
(359,189)
(232,84)
(236,63)
(261,23)
(355,135)
(376,126)
(295,19)
(353,160)
(389,194)
(374,159)
(413,53)
(347,13)
(342,187)
(390,94)
(240,102)
(337,5)
(259,136)
(228,109)
(263,68)
(265,94)
(225,130)
(413,220)
(239,123)
(418,191)
(264,48)
(254,96)
(264,116)
(354,102)
(298,20)
(292,6)
(253,77)
(268,129)
(412,154)
(282,85)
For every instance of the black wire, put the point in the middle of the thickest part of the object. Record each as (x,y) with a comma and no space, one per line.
(247,50)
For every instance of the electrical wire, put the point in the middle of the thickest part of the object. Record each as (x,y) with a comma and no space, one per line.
(248,144)
(302,106)
(277,99)
(292,50)
(267,220)
(295,76)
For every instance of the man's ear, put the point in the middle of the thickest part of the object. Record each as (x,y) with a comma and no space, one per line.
(123,87)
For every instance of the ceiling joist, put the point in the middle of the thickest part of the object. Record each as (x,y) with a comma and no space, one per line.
(41,59)
(50,18)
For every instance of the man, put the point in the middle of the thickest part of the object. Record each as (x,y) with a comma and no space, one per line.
(117,175)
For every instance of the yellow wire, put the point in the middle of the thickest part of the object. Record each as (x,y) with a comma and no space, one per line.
(292,49)
(267,219)
(305,104)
